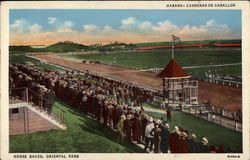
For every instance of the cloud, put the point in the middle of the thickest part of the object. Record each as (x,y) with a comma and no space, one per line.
(210,23)
(19,26)
(60,26)
(65,30)
(128,23)
(64,27)
(52,20)
(165,26)
(145,26)
(68,24)
(22,26)
(35,28)
(211,30)
(134,30)
(107,28)
(91,28)
(130,30)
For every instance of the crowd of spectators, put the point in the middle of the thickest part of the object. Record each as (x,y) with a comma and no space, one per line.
(116,104)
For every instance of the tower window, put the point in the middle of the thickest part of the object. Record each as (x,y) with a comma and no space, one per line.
(15,111)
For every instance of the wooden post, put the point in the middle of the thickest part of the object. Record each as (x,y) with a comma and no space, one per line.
(27,94)
(24,121)
(223,112)
(62,117)
(236,126)
(164,96)
(169,91)
(222,121)
(190,95)
(197,91)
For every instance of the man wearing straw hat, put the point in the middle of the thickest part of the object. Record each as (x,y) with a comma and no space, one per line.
(204,145)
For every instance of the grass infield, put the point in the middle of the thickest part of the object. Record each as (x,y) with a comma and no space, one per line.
(159,59)
(151,59)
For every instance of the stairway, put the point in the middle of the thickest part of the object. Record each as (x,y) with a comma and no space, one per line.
(52,119)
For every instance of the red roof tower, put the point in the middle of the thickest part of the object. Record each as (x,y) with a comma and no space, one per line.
(178,87)
(173,70)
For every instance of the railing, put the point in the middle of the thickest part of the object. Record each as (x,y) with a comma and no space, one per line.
(224,82)
(28,95)
(218,118)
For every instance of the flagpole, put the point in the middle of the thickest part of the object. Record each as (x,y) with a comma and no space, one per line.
(172,49)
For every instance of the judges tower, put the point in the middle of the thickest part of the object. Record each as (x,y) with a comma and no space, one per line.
(178,87)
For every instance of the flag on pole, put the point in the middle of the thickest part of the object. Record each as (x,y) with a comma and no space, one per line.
(175,38)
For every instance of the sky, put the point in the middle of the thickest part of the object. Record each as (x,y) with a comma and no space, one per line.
(45,27)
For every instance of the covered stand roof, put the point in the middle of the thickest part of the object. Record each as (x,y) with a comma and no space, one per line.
(173,70)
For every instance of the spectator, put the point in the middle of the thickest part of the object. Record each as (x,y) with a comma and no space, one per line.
(128,127)
(183,147)
(203,147)
(165,138)
(156,132)
(175,140)
(169,118)
(148,136)
(49,101)
(193,144)
(120,128)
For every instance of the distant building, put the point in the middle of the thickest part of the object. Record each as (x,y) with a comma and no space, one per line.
(38,46)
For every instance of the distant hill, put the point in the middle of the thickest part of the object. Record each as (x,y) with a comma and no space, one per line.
(66,46)
(21,48)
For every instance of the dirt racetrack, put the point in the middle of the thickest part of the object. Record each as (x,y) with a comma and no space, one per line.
(227,97)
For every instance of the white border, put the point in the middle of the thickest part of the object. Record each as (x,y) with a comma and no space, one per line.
(244,6)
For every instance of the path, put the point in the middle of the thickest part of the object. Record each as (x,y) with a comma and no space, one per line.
(155,110)
(204,66)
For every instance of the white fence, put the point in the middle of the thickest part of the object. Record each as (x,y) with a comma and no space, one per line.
(221,119)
